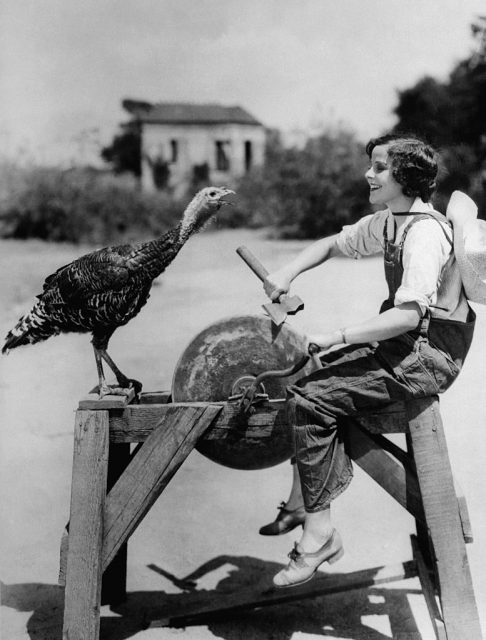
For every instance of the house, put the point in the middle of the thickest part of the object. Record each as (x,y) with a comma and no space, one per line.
(186,144)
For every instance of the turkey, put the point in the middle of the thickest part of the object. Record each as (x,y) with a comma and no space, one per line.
(103,290)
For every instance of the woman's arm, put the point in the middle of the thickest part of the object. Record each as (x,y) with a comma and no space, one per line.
(391,323)
(278,282)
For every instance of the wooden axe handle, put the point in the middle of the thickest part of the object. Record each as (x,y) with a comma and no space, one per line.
(253,262)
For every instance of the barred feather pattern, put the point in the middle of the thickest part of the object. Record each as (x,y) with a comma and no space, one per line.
(105,289)
(96,293)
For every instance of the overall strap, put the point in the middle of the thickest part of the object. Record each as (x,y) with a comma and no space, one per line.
(438,217)
(435,215)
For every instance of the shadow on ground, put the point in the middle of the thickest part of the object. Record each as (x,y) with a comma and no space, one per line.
(338,615)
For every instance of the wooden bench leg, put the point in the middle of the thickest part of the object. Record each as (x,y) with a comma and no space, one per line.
(88,491)
(150,471)
(434,474)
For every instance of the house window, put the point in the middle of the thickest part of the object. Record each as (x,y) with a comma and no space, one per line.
(174,150)
(248,155)
(222,157)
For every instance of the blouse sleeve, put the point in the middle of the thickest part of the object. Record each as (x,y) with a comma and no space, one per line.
(425,252)
(363,238)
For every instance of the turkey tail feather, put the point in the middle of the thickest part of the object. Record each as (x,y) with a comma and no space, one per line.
(32,327)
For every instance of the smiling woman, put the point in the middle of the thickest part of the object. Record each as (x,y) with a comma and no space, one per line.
(414,347)
(406,169)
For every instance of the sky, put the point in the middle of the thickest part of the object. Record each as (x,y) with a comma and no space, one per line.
(66,65)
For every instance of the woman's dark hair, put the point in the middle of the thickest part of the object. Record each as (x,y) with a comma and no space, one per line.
(413,163)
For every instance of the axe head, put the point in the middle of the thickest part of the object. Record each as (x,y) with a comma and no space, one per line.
(286,305)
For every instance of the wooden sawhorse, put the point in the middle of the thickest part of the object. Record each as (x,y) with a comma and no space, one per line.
(102,520)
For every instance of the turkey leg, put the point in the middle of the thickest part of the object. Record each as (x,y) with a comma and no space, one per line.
(125,384)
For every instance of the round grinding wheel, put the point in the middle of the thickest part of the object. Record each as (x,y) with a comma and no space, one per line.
(220,362)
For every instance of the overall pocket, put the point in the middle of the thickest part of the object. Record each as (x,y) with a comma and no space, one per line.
(441,368)
(403,357)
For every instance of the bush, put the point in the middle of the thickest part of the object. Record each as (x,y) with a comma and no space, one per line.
(307,193)
(80,206)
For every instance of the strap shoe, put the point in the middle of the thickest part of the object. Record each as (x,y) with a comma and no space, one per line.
(285,521)
(302,566)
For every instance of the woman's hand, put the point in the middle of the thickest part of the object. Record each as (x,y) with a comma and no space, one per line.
(276,284)
(324,340)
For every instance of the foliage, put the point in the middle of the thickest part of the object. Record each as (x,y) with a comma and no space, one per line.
(124,153)
(80,206)
(306,193)
(450,115)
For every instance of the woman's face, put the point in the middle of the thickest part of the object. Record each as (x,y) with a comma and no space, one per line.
(384,189)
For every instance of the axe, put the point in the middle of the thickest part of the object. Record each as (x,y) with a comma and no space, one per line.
(285,305)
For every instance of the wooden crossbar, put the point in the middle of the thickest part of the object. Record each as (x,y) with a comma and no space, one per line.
(150,470)
(397,480)
(419,478)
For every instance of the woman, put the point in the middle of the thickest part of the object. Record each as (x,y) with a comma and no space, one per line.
(414,347)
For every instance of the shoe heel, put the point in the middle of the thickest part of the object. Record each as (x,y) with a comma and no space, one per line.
(337,556)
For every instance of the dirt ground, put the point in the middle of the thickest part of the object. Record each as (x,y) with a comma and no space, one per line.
(206,522)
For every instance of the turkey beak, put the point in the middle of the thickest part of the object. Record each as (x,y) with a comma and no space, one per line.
(227,192)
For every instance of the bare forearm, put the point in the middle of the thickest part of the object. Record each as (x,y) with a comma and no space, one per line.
(312,256)
(389,324)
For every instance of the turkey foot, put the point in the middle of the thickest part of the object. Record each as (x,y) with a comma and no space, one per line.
(123,388)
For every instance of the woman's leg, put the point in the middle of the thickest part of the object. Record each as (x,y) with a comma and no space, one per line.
(291,514)
(295,499)
(341,389)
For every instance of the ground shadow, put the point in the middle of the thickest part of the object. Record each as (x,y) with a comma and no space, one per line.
(46,601)
(337,615)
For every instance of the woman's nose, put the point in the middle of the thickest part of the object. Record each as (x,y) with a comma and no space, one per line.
(369,173)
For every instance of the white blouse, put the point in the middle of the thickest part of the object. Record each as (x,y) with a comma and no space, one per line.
(431,275)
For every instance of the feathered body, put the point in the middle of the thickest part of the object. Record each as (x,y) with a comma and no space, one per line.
(105,289)
(98,292)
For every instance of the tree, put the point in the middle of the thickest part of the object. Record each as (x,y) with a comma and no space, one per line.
(124,153)
(310,192)
(450,115)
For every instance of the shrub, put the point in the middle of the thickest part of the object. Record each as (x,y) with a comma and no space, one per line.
(307,193)
(80,206)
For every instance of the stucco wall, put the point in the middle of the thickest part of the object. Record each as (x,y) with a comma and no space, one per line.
(196,145)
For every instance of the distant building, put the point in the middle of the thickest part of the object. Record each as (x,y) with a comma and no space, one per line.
(184,144)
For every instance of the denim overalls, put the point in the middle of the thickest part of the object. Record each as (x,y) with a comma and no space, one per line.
(357,378)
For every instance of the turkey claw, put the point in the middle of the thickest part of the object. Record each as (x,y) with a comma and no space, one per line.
(124,389)
(135,385)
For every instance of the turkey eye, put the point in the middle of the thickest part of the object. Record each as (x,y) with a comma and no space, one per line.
(212,193)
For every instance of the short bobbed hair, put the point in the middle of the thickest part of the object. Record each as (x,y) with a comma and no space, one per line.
(413,163)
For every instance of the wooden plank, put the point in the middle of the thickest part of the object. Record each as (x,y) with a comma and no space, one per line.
(93,402)
(397,452)
(150,471)
(88,490)
(428,591)
(399,481)
(155,397)
(434,474)
(390,419)
(229,604)
(136,422)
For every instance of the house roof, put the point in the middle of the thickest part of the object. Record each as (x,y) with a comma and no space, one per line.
(187,113)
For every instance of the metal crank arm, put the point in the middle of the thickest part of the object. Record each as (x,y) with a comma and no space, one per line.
(247,401)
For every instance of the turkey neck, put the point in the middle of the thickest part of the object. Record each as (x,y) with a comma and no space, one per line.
(153,257)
